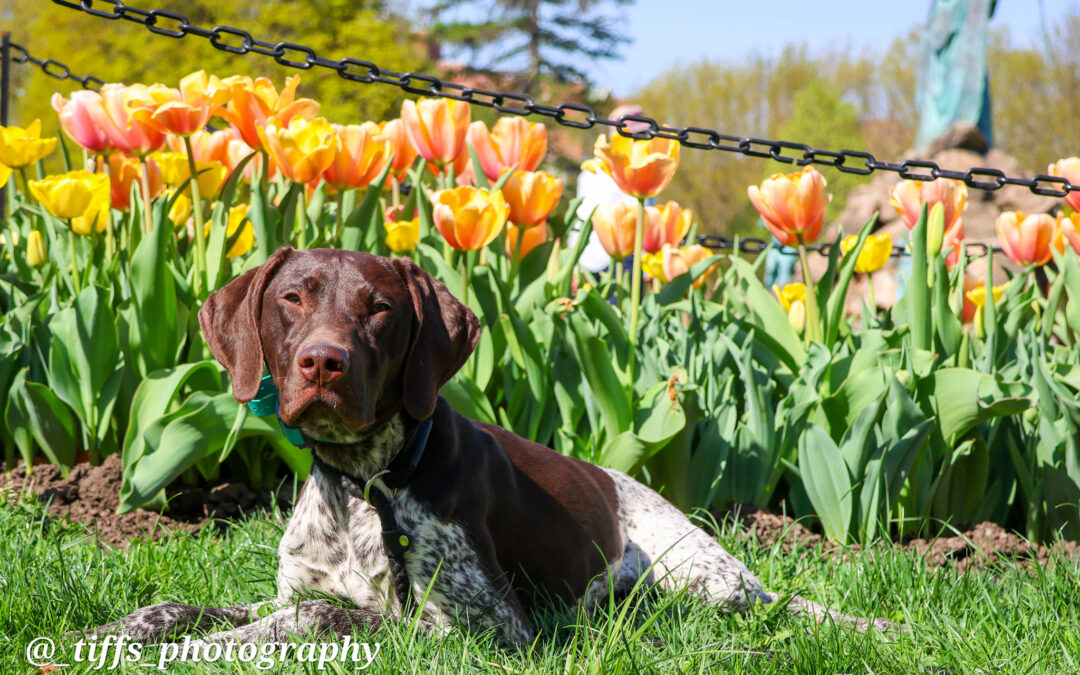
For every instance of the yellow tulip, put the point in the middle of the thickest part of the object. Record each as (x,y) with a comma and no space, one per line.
(303,149)
(874,254)
(245,240)
(72,194)
(35,250)
(5,173)
(402,236)
(181,209)
(790,294)
(977,295)
(175,170)
(653,265)
(20,148)
(469,218)
(95,219)
(640,168)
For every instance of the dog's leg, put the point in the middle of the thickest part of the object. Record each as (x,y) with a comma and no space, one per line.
(684,555)
(155,622)
(305,618)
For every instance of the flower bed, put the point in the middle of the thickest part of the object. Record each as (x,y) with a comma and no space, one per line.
(959,404)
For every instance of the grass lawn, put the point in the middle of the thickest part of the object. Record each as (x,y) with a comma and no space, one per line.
(54,577)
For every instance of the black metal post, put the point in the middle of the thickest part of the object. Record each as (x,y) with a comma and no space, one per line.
(5,91)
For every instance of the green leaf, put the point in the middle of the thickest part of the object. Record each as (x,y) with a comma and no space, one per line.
(834,307)
(604,383)
(827,482)
(367,215)
(961,398)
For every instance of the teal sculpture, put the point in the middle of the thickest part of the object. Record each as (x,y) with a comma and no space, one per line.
(953,82)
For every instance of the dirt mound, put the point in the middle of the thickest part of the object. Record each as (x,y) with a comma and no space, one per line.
(89,494)
(983,545)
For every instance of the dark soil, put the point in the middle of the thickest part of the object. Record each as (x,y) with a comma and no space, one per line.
(89,494)
(978,547)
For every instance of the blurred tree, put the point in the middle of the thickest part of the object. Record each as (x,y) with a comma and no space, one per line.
(121,51)
(528,38)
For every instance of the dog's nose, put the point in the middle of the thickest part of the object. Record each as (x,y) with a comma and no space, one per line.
(322,363)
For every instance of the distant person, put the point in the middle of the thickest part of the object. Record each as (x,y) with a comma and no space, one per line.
(599,188)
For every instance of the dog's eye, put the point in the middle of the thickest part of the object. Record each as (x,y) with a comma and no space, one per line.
(293,298)
(381,307)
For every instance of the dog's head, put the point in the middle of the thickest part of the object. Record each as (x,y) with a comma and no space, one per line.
(350,338)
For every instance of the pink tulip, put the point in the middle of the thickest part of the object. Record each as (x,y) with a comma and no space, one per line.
(667,225)
(908,197)
(792,205)
(436,128)
(1069,169)
(512,142)
(79,116)
(120,130)
(1027,239)
(1068,233)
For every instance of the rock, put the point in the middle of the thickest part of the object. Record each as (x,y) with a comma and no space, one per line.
(962,135)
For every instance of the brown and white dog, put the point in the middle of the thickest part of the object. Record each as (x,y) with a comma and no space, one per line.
(358,347)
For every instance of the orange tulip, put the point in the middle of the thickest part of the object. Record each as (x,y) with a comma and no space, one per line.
(641,169)
(359,157)
(1069,169)
(614,224)
(207,146)
(1027,239)
(303,149)
(123,171)
(672,261)
(114,119)
(667,225)
(180,111)
(951,244)
(908,197)
(436,128)
(393,134)
(469,218)
(252,104)
(531,238)
(512,142)
(532,195)
(236,151)
(1068,233)
(792,204)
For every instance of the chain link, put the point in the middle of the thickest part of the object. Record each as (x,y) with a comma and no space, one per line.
(755,245)
(53,68)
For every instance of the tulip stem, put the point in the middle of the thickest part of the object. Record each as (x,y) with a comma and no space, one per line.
(301,219)
(110,232)
(635,289)
(196,210)
(813,323)
(465,278)
(873,300)
(395,193)
(26,185)
(74,264)
(516,260)
(340,216)
(148,216)
(618,277)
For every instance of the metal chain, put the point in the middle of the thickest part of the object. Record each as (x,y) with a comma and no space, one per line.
(575,115)
(53,68)
(756,245)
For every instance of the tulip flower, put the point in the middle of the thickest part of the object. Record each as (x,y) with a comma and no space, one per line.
(530,237)
(672,262)
(359,156)
(531,196)
(20,148)
(393,134)
(792,205)
(977,295)
(208,146)
(469,218)
(512,142)
(303,149)
(1068,233)
(244,241)
(180,210)
(5,174)
(874,254)
(952,242)
(96,219)
(82,118)
(641,169)
(35,250)
(252,104)
(175,169)
(614,224)
(436,127)
(1069,169)
(908,197)
(180,111)
(402,235)
(71,194)
(1027,239)
(793,298)
(667,225)
(123,172)
(115,120)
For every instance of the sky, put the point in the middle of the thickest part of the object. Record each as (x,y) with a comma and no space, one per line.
(666,32)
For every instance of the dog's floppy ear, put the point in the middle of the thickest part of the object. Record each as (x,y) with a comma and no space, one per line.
(230,324)
(445,332)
